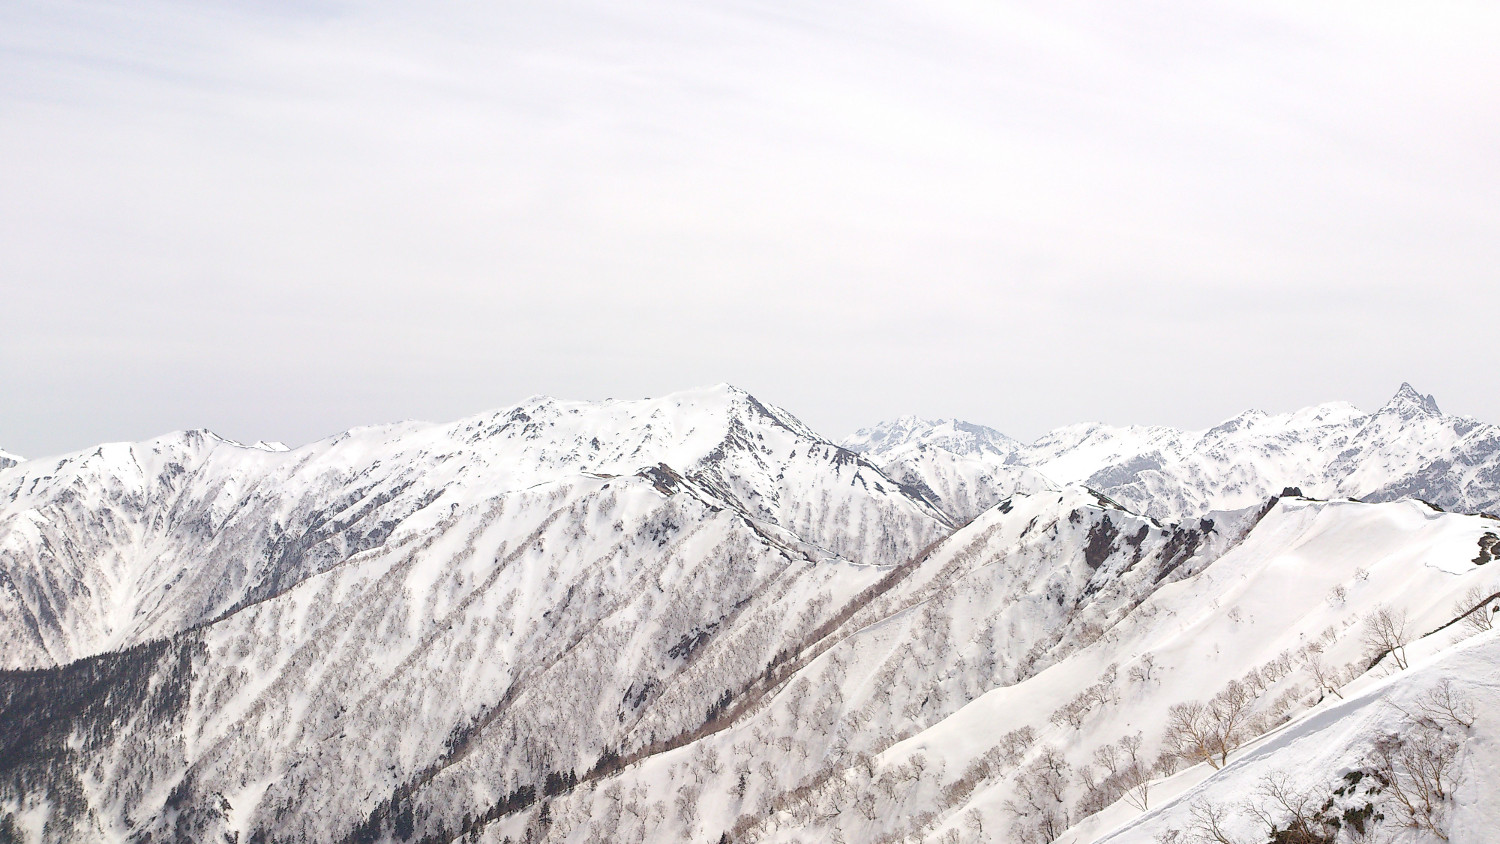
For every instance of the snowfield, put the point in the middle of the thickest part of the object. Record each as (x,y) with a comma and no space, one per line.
(692,618)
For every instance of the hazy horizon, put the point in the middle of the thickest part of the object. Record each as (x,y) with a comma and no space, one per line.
(835,436)
(282,222)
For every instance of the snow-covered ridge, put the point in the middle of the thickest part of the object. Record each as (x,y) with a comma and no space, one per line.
(8,460)
(124,542)
(1407,448)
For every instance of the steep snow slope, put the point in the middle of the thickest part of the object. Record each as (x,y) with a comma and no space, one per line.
(1321,752)
(1306,575)
(8,460)
(964,663)
(129,542)
(1405,449)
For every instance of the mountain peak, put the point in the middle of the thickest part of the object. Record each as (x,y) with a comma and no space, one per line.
(953,435)
(1409,403)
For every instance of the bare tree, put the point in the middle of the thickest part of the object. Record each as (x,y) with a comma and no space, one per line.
(1135,774)
(1444,704)
(918,765)
(1206,821)
(1142,671)
(1327,679)
(1231,710)
(687,807)
(1108,757)
(1479,618)
(1137,782)
(1385,633)
(867,805)
(974,820)
(1290,813)
(1050,770)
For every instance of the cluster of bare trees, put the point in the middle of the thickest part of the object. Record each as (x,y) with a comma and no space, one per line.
(864,793)
(1209,732)
(1040,801)
(1418,767)
(1099,695)
(1328,679)
(1418,764)
(1409,777)
(1288,813)
(1196,731)
(1122,772)
(1414,767)
(1199,731)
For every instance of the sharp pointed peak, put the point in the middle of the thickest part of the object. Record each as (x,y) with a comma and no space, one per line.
(1408,402)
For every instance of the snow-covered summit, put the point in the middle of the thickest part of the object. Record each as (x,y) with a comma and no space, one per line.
(1407,448)
(7,459)
(953,435)
(964,467)
(1410,404)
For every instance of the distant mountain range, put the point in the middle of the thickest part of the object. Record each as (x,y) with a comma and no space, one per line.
(693,618)
(1406,449)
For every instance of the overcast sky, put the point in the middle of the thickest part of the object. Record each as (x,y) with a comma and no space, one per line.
(280,220)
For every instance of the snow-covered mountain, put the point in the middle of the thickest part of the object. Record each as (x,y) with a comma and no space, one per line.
(1406,449)
(965,468)
(8,460)
(130,542)
(694,619)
